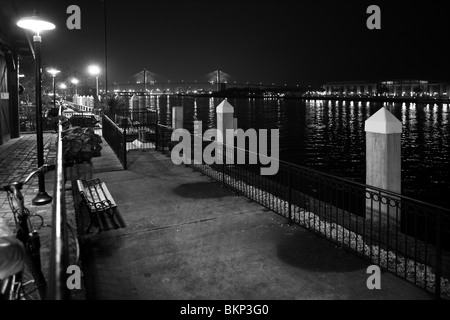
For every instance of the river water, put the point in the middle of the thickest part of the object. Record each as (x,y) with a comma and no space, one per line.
(329,135)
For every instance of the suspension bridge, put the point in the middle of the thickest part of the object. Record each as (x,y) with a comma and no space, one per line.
(147,82)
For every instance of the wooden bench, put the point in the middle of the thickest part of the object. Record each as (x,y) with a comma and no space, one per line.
(97,198)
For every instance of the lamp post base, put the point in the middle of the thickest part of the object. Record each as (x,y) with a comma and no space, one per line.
(41,199)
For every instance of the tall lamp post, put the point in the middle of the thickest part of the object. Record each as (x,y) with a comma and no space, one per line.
(64,87)
(37,25)
(95,71)
(75,82)
(54,72)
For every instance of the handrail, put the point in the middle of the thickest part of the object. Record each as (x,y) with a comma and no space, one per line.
(57,289)
(116,138)
(114,124)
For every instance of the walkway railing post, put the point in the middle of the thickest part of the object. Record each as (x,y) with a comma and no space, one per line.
(134,107)
(225,121)
(223,164)
(163,140)
(383,159)
(438,256)
(125,164)
(177,117)
(289,194)
(156,135)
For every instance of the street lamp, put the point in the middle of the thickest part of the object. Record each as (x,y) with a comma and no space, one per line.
(54,72)
(64,87)
(75,82)
(95,71)
(37,25)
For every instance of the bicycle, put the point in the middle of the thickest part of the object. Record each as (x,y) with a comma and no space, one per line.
(22,250)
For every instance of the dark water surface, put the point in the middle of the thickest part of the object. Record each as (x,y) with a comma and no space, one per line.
(329,135)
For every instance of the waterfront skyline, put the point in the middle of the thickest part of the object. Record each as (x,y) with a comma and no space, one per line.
(307,43)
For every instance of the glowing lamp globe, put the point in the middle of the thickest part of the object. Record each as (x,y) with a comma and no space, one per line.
(53,72)
(94,70)
(35,24)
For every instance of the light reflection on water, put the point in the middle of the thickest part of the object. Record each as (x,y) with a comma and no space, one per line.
(329,135)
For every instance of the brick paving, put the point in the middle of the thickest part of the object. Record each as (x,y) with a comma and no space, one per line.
(17,161)
(18,158)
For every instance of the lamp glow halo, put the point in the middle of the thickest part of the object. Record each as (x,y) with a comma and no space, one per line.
(35,24)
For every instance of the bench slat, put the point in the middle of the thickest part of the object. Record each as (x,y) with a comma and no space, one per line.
(96,194)
(97,198)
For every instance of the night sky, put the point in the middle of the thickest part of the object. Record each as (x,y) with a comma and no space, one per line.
(294,42)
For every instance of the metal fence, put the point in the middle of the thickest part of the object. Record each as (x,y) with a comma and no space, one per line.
(140,126)
(27,121)
(163,142)
(136,129)
(116,138)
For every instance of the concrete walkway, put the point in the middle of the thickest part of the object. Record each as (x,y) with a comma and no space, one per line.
(183,236)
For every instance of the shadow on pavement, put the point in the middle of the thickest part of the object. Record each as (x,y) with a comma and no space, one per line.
(201,190)
(304,251)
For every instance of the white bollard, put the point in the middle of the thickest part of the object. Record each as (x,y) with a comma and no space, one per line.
(225,121)
(383,162)
(177,117)
(134,107)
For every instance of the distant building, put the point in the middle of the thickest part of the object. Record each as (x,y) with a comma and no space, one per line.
(389,88)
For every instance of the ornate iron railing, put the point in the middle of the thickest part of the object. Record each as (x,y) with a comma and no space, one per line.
(116,138)
(139,127)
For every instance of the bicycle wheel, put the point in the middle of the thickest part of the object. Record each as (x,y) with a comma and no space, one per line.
(28,289)
(33,263)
